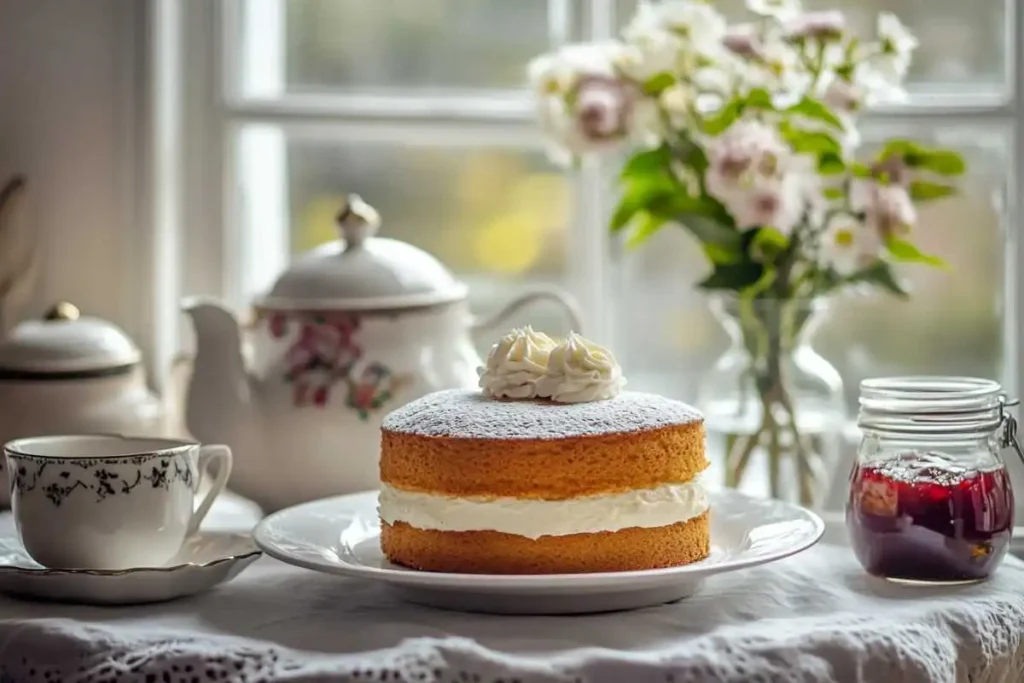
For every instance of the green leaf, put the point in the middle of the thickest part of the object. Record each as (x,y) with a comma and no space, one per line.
(923,190)
(710,231)
(648,162)
(638,194)
(813,142)
(940,161)
(760,99)
(899,147)
(690,153)
(860,170)
(735,276)
(902,250)
(830,163)
(718,254)
(643,228)
(814,109)
(834,193)
(768,243)
(655,84)
(916,155)
(724,118)
(879,274)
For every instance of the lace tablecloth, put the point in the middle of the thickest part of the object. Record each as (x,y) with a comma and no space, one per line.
(813,617)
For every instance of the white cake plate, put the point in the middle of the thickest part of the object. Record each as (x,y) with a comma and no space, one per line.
(341,536)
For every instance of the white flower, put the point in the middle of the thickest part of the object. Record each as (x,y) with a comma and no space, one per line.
(650,54)
(848,245)
(775,65)
(757,177)
(677,101)
(780,9)
(558,72)
(888,67)
(583,105)
(673,37)
(697,20)
(896,38)
(647,126)
(887,207)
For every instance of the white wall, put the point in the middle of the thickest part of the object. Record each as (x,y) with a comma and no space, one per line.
(72,103)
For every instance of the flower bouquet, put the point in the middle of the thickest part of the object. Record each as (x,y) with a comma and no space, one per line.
(746,136)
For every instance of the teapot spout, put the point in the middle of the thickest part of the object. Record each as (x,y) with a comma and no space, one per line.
(218,397)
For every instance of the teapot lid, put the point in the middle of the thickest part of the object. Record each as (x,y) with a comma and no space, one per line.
(363,272)
(64,343)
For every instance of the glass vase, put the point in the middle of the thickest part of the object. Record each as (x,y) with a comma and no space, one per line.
(774,408)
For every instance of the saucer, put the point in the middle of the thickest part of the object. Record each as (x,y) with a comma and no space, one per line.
(342,536)
(207,559)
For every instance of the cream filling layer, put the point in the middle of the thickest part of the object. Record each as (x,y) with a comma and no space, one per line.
(654,507)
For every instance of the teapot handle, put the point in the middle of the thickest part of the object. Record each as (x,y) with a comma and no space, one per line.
(565,300)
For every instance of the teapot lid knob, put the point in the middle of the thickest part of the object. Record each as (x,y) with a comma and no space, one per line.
(357,220)
(62,311)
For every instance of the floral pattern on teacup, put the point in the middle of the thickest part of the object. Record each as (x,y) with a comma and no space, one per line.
(60,478)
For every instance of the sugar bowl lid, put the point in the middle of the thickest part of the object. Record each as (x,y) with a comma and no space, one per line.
(66,344)
(362,271)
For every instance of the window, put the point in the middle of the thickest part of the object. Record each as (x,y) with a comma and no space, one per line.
(416,105)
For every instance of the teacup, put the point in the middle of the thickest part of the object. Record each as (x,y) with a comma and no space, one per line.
(110,502)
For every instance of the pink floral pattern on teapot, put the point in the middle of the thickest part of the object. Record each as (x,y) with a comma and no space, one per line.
(326,353)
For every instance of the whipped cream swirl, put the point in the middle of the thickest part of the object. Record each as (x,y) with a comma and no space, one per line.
(516,363)
(580,371)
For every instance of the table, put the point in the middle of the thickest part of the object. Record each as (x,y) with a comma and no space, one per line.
(812,617)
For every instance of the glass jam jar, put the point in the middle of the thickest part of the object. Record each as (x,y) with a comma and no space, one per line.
(930,497)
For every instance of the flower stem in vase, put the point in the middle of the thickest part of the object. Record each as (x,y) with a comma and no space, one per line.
(769,329)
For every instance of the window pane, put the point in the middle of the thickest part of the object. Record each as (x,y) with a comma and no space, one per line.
(961,43)
(498,217)
(401,44)
(953,324)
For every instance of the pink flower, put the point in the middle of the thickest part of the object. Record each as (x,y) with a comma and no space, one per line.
(776,204)
(819,25)
(603,108)
(742,41)
(757,177)
(888,208)
(843,95)
(892,170)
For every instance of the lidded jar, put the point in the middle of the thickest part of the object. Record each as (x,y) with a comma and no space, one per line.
(69,373)
(930,497)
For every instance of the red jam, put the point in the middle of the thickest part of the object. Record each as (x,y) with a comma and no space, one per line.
(919,517)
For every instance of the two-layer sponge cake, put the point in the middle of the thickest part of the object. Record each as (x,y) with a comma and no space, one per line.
(479,483)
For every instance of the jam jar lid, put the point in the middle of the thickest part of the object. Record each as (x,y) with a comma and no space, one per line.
(65,344)
(938,404)
(362,271)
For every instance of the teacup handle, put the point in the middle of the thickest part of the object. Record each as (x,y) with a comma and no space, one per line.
(207,456)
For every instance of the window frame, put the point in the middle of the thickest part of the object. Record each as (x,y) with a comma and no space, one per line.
(208,244)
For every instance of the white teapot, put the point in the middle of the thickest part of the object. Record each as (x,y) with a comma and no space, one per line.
(350,331)
(68,373)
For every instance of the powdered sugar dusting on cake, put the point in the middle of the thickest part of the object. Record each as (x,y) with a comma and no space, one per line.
(468,414)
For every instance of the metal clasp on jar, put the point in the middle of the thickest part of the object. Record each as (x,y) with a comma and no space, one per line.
(1009,435)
